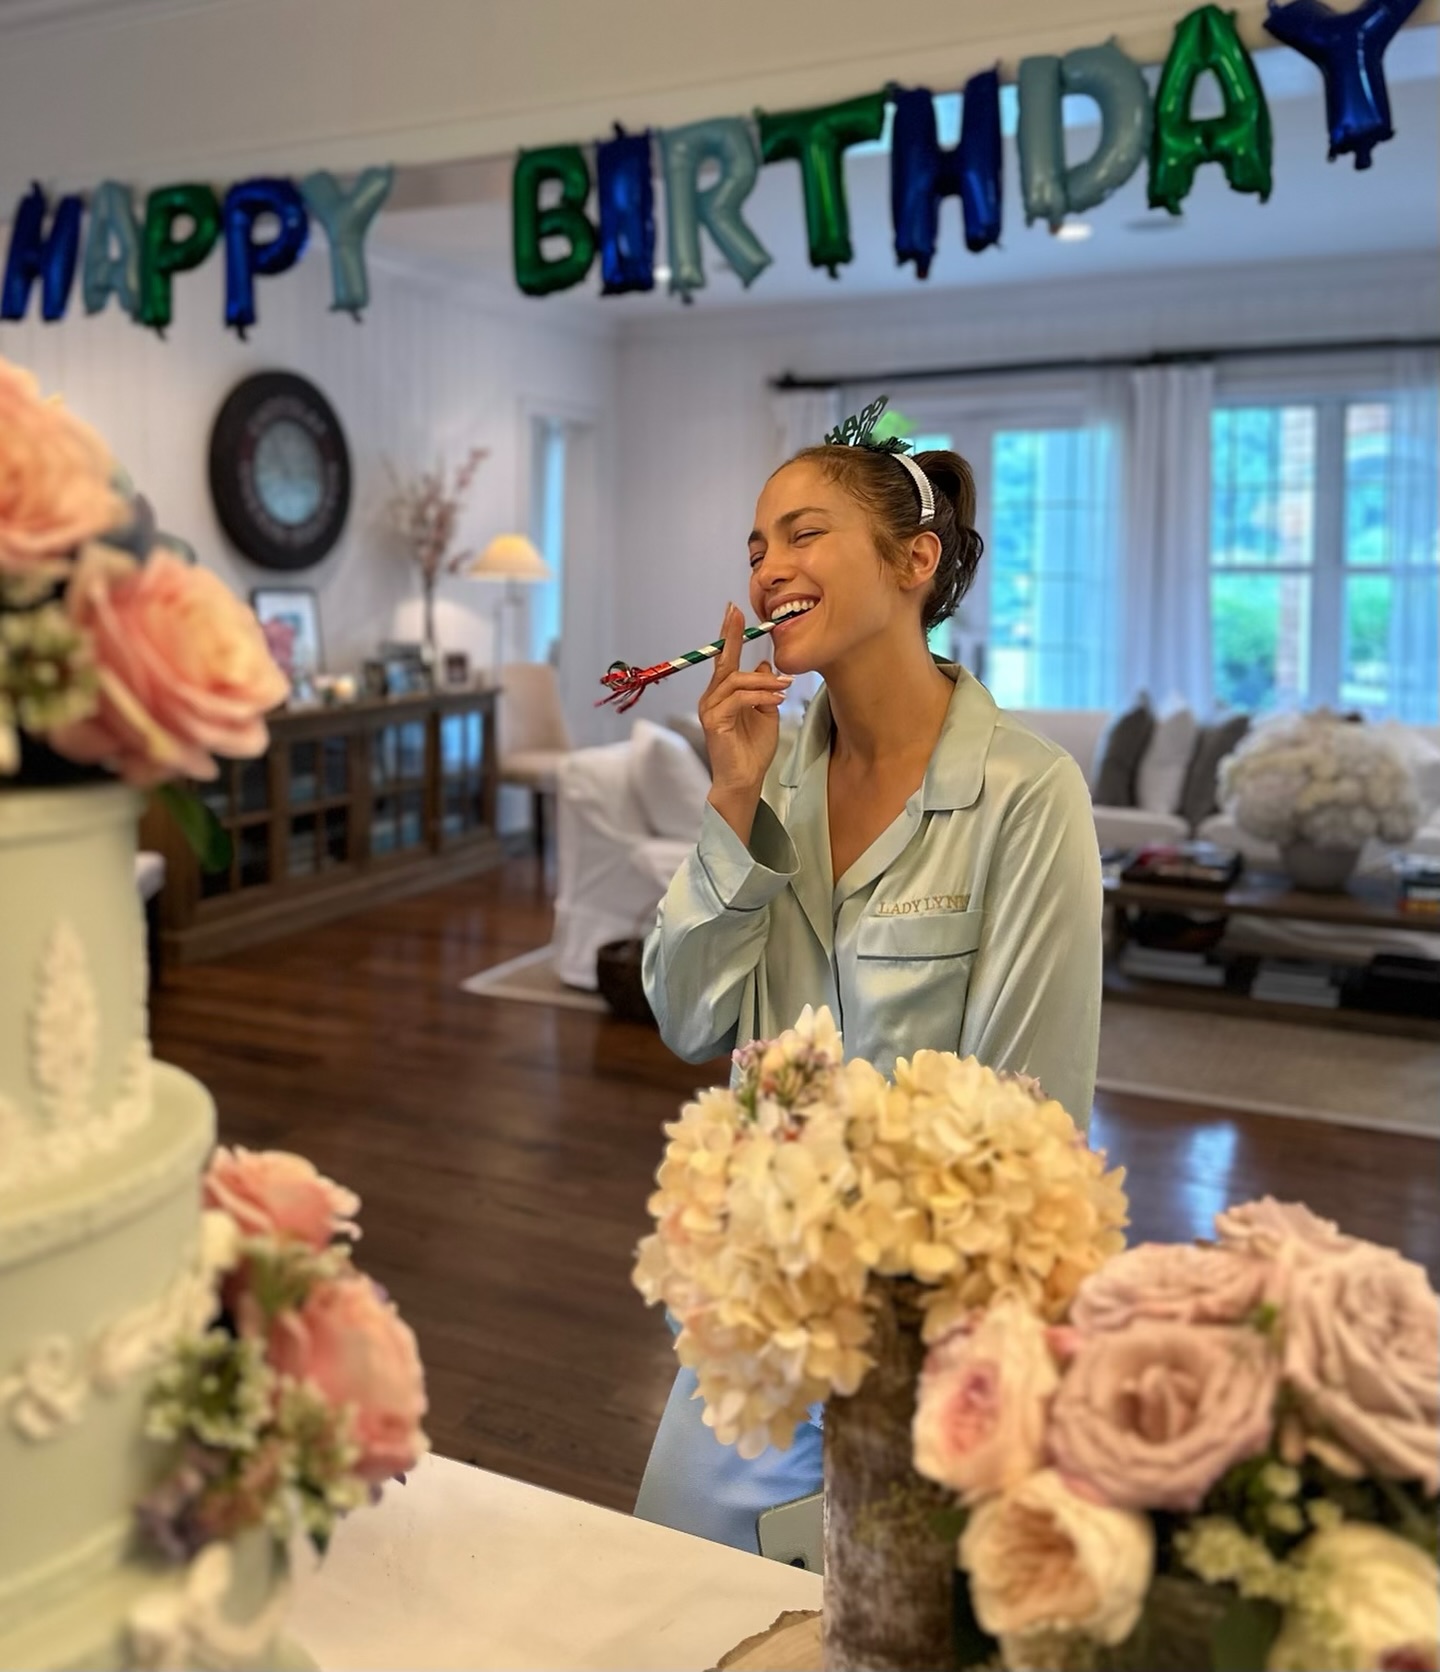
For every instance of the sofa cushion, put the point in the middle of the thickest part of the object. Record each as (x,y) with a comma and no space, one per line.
(1119,754)
(688,727)
(669,782)
(1161,776)
(1199,798)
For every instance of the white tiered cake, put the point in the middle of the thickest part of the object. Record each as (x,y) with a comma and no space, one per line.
(101,1151)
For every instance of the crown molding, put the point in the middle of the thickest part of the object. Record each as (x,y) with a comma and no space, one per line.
(49,17)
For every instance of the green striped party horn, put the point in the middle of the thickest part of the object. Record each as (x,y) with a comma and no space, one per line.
(625,683)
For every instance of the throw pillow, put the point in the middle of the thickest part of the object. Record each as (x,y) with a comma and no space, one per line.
(688,727)
(1199,798)
(668,781)
(1161,777)
(1119,753)
(1421,756)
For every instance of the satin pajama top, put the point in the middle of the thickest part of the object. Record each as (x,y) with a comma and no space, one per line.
(971,924)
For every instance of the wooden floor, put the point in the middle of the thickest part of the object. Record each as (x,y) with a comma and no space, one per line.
(504,1152)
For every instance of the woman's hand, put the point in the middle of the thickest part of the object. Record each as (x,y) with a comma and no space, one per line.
(740,716)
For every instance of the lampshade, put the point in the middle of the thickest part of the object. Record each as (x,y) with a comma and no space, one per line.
(508,557)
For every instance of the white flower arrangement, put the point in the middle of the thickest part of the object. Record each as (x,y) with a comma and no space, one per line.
(1317,778)
(782,1198)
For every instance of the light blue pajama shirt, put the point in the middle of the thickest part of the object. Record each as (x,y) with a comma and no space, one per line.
(971,924)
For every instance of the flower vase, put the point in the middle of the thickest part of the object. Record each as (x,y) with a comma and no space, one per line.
(889,1559)
(1319,870)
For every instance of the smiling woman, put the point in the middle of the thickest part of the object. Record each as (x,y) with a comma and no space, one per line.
(919,862)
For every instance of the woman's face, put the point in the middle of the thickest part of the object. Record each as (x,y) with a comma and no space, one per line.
(812,545)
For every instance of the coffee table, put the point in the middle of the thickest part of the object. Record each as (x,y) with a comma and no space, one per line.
(1365,903)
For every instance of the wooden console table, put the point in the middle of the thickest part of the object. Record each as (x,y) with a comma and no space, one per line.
(350,806)
(1365,903)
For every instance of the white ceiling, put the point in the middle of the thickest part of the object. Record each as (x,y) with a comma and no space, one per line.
(456,219)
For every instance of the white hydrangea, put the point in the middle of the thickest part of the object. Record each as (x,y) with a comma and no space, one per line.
(1319,779)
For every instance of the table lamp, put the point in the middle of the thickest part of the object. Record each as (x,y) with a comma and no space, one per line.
(513,560)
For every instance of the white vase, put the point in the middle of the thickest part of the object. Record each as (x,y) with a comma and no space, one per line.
(1319,870)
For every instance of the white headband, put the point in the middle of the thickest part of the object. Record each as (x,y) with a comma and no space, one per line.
(923,483)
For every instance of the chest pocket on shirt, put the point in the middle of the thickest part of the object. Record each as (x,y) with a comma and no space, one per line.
(937,935)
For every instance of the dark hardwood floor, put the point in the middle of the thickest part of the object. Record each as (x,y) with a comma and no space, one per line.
(505,1151)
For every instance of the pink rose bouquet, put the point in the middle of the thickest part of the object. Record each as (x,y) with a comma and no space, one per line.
(117,652)
(306,1393)
(1239,1440)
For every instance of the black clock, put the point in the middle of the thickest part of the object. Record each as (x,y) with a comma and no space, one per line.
(280,471)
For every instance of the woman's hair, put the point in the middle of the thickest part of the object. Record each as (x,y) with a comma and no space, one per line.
(887,492)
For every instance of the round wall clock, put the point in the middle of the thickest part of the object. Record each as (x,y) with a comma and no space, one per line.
(279,471)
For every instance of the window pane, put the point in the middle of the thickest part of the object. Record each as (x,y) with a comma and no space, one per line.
(1263,486)
(1052,568)
(1365,666)
(1260,635)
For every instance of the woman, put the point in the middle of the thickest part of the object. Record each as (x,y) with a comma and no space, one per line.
(919,862)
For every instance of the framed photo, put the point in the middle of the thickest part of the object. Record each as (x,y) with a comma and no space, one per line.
(457,670)
(290,619)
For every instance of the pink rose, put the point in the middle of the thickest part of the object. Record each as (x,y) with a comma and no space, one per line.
(1151,1416)
(183,667)
(270,1193)
(1362,1352)
(1266,1227)
(55,480)
(1041,1559)
(350,1344)
(984,1392)
(1170,1283)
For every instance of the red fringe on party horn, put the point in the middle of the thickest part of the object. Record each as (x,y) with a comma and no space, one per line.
(626,683)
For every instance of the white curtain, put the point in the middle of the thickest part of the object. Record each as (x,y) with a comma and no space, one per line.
(1165,603)
(802,419)
(1414,535)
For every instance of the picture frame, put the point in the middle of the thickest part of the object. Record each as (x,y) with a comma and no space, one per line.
(289,616)
(457,670)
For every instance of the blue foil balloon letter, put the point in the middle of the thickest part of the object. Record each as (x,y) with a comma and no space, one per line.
(245,203)
(35,254)
(1349,50)
(346,217)
(627,213)
(112,250)
(922,174)
(728,142)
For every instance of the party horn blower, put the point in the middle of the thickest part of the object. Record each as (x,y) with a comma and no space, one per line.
(625,683)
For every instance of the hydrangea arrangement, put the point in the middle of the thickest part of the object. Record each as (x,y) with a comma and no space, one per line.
(304,1394)
(782,1199)
(1319,779)
(1250,1429)
(117,652)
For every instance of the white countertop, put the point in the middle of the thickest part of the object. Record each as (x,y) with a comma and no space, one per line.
(465,1569)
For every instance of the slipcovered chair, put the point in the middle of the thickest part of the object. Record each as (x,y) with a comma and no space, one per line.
(534,737)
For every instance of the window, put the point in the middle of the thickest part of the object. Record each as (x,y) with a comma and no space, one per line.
(549,449)
(1325,554)
(1039,628)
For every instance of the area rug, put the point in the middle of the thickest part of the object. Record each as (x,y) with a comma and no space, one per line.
(1298,1069)
(1272,1068)
(531,979)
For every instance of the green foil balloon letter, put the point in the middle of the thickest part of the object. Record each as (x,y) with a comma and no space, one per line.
(163,254)
(534,273)
(1239,140)
(818,139)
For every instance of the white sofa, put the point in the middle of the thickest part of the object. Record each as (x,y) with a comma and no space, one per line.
(613,868)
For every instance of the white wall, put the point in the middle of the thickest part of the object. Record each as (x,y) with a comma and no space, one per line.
(699,437)
(135,88)
(433,368)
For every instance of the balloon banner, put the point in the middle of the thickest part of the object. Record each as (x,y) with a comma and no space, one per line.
(134,258)
(728,143)
(244,258)
(35,254)
(536,273)
(112,250)
(922,174)
(817,140)
(346,216)
(1239,139)
(1349,49)
(627,213)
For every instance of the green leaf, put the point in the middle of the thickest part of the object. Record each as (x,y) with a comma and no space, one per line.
(974,1646)
(208,838)
(948,1524)
(1243,1638)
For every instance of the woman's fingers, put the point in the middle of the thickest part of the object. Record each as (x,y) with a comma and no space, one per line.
(732,630)
(757,683)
